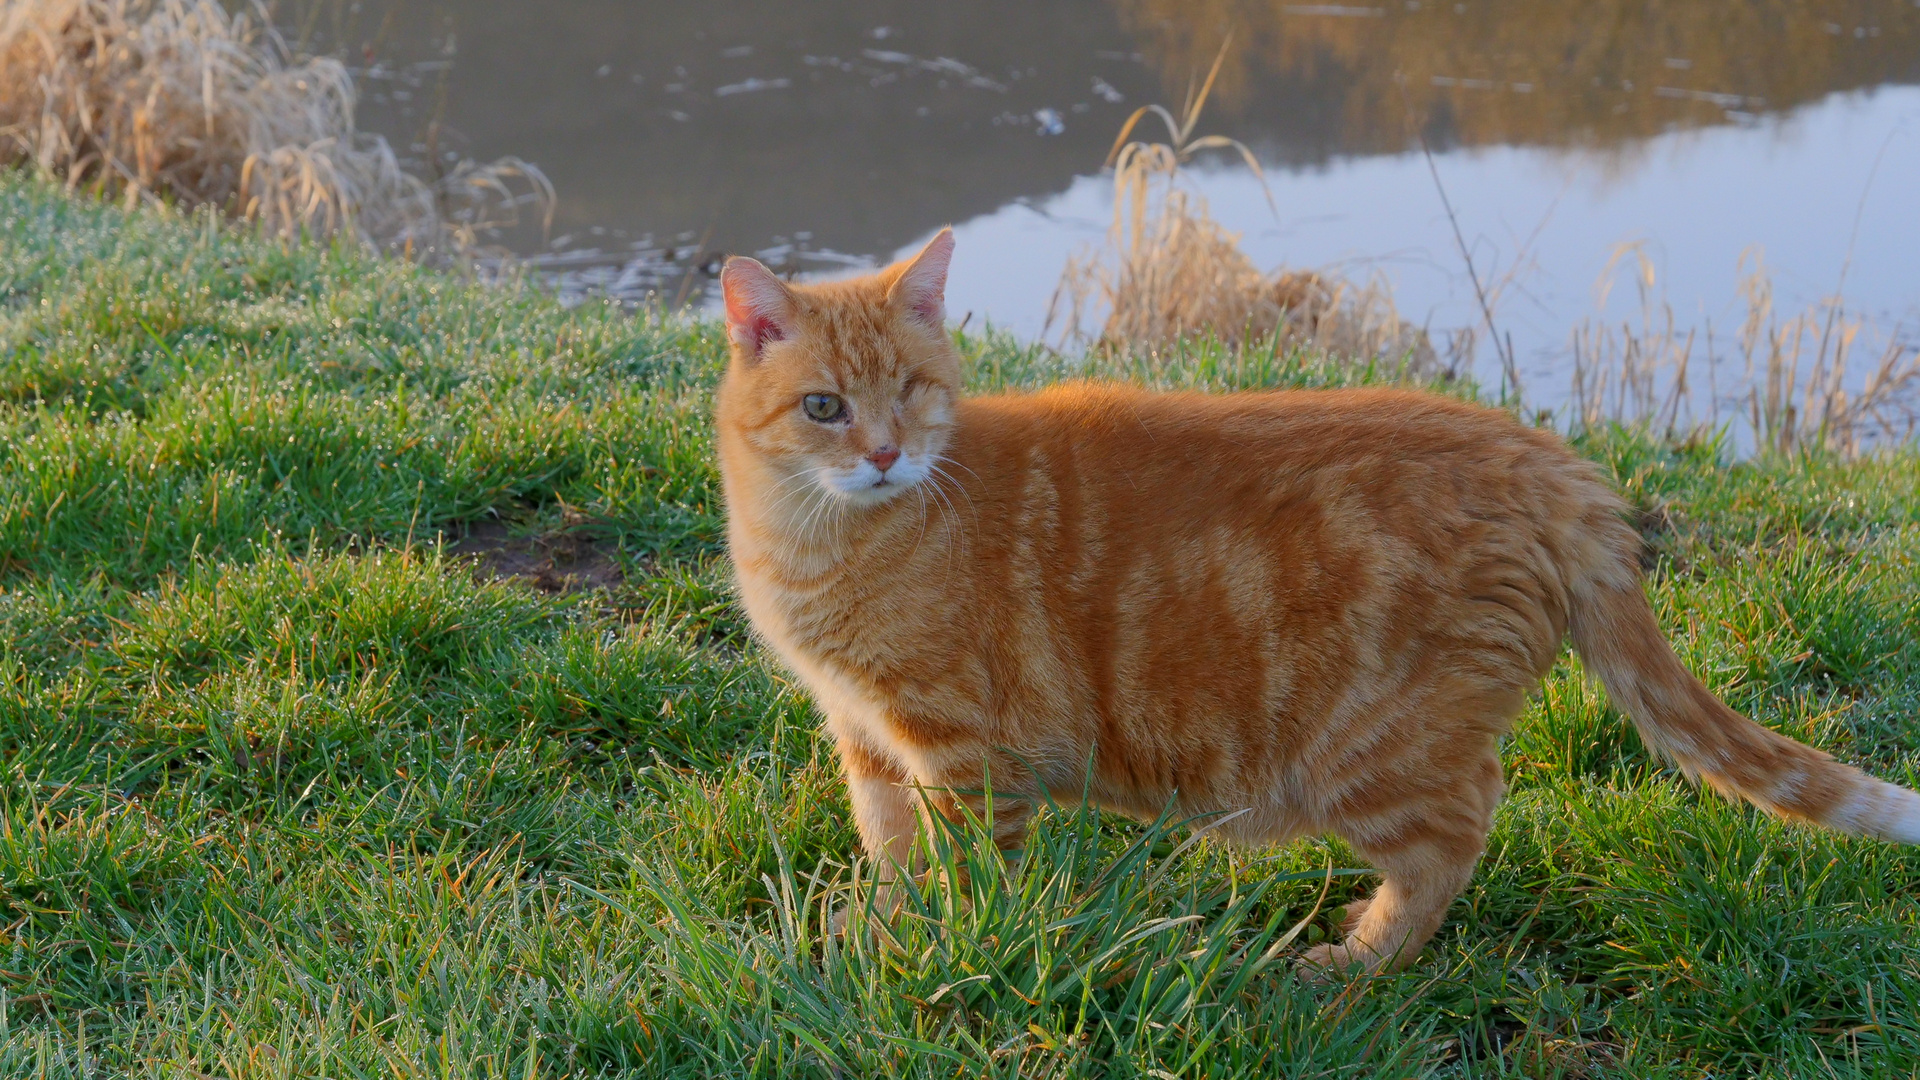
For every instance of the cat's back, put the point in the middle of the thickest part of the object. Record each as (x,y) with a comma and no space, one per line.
(1362,445)
(1426,497)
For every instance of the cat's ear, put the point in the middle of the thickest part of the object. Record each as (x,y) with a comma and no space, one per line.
(759,305)
(921,289)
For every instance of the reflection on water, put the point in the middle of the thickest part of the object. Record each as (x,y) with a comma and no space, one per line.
(836,133)
(1543,228)
(814,129)
(1591,73)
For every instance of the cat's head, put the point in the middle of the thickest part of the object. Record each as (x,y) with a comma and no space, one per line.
(848,385)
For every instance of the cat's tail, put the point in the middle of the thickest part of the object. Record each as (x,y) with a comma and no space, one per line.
(1614,629)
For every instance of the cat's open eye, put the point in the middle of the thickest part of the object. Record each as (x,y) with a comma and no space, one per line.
(824,407)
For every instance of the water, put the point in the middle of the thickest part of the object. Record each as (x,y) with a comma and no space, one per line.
(833,136)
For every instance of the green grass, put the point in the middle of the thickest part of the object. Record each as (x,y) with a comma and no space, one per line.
(287,790)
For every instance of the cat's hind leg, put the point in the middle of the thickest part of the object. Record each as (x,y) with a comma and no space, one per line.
(1425,847)
(1418,883)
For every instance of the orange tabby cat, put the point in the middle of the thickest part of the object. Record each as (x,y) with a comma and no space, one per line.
(1306,612)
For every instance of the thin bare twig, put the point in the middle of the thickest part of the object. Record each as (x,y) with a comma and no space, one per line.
(1509,370)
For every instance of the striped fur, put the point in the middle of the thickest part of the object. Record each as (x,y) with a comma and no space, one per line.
(1317,610)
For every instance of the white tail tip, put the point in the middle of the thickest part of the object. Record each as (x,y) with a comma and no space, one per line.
(1880,809)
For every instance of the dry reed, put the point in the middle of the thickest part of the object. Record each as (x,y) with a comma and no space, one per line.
(1170,270)
(1798,385)
(184,101)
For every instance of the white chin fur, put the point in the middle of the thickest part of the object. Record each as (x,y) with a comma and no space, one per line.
(863,484)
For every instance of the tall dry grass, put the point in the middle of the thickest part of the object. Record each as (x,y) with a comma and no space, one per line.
(1169,270)
(1794,382)
(187,102)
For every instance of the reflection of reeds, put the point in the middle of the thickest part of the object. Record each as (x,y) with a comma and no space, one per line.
(1170,270)
(184,101)
(1800,385)
(1590,73)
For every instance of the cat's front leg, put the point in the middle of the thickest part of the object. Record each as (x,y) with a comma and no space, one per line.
(885,813)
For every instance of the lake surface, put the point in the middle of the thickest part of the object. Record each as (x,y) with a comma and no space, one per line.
(839,134)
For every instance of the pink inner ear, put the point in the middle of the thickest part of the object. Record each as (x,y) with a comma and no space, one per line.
(753,298)
(761,330)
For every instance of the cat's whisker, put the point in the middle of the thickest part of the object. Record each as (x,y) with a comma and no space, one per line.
(820,507)
(804,521)
(941,477)
(957,464)
(933,487)
(948,522)
(796,486)
(920,534)
(939,485)
(939,463)
(800,482)
(824,517)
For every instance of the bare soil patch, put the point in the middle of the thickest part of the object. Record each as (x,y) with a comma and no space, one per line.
(555,562)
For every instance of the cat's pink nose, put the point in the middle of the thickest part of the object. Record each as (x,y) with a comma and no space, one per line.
(884,457)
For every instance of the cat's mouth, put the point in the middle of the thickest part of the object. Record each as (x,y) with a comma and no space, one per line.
(864,484)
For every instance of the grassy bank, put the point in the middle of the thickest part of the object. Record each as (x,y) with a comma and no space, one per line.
(317,760)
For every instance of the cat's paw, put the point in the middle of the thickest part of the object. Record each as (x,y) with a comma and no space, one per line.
(1323,963)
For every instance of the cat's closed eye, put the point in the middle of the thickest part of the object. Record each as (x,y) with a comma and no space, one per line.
(824,407)
(917,386)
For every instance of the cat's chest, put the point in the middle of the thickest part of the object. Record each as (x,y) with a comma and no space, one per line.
(818,624)
(829,644)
